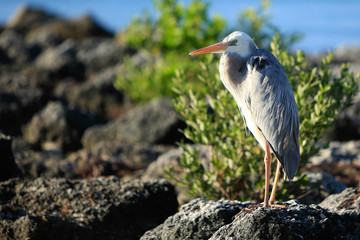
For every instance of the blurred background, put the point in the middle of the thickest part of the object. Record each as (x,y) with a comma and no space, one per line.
(324,24)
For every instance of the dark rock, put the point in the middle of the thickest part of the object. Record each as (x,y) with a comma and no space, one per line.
(17,77)
(202,219)
(338,151)
(82,27)
(346,126)
(10,113)
(32,100)
(153,123)
(59,126)
(99,208)
(44,38)
(171,159)
(346,172)
(295,222)
(8,168)
(27,18)
(110,158)
(138,153)
(46,164)
(16,222)
(346,202)
(17,108)
(321,185)
(33,21)
(4,58)
(61,61)
(341,160)
(14,46)
(20,145)
(97,95)
(99,53)
(198,219)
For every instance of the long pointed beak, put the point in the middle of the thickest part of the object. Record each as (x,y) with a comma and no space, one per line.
(215,48)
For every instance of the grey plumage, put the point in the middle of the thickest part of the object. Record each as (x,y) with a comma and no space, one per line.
(259,85)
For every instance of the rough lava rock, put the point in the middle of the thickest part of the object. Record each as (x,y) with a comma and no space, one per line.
(111,158)
(154,123)
(171,159)
(14,46)
(295,222)
(338,151)
(17,108)
(346,126)
(198,219)
(99,208)
(346,202)
(98,53)
(32,21)
(321,185)
(46,164)
(97,95)
(26,18)
(61,61)
(9,168)
(57,127)
(202,219)
(10,113)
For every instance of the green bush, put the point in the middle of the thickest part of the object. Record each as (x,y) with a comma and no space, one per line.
(236,167)
(165,41)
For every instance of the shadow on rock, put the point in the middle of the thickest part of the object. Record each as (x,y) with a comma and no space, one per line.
(99,208)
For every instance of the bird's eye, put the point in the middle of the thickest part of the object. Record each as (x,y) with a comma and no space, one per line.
(234,41)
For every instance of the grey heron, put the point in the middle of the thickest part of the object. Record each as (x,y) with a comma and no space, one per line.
(263,94)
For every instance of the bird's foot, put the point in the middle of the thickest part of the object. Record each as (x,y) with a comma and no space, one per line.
(251,208)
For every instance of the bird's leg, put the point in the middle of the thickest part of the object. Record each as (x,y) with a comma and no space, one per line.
(267,160)
(273,192)
(276,180)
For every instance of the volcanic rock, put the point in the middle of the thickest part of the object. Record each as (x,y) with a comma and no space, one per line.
(58,125)
(14,47)
(321,185)
(8,166)
(198,219)
(99,208)
(153,123)
(97,95)
(202,219)
(295,222)
(33,21)
(346,202)
(60,61)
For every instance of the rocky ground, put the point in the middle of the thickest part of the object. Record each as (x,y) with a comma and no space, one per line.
(79,161)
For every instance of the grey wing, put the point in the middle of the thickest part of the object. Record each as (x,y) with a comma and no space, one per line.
(274,109)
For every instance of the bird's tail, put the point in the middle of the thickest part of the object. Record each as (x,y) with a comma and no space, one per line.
(290,162)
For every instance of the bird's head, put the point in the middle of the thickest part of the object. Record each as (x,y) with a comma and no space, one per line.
(238,42)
